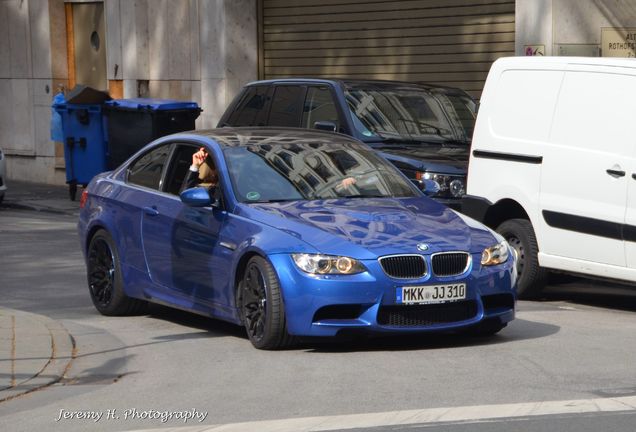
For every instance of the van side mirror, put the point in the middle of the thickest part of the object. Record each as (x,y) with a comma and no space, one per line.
(430,187)
(325,126)
(196,197)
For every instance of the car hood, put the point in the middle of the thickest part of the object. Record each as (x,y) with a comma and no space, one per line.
(450,159)
(365,228)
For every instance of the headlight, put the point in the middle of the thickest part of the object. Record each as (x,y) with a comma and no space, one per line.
(452,186)
(497,254)
(327,264)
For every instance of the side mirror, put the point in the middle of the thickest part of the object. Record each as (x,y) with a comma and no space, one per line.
(196,197)
(430,187)
(325,126)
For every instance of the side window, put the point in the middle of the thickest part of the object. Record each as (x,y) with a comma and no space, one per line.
(179,166)
(286,106)
(146,171)
(319,106)
(248,109)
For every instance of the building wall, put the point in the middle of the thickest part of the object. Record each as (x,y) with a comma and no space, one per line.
(200,50)
(569,27)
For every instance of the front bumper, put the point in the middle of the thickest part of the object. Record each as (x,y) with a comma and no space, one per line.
(326,305)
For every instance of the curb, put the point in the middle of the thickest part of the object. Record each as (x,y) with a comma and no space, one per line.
(49,343)
(18,206)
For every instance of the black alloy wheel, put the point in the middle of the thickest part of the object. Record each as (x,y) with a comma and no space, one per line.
(261,306)
(101,272)
(105,282)
(254,302)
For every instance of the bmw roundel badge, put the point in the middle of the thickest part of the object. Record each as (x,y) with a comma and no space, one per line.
(422,247)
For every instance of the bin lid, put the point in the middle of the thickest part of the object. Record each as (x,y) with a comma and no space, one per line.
(151,104)
(85,95)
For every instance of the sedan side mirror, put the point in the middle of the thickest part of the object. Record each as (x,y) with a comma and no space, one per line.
(325,126)
(196,197)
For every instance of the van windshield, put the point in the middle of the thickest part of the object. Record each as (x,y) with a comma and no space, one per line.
(383,113)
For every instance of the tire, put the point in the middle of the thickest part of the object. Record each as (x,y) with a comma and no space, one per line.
(105,282)
(531,279)
(261,304)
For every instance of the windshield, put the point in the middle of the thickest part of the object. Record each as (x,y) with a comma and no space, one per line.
(308,171)
(383,113)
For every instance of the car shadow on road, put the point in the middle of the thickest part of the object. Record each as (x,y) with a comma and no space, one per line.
(590,292)
(519,329)
(211,327)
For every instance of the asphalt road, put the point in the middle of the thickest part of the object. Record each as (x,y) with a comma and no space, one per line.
(579,343)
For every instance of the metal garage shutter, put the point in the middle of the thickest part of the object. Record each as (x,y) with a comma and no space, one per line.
(450,42)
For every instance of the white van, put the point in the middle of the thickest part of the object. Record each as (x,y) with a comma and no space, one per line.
(553,165)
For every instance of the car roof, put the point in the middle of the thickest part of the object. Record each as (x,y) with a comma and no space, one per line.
(249,136)
(348,82)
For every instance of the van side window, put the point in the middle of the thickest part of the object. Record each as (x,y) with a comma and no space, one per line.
(319,107)
(286,106)
(248,109)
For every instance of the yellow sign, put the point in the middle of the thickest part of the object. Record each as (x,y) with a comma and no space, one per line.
(618,42)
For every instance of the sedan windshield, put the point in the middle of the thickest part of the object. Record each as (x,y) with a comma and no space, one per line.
(312,170)
(411,114)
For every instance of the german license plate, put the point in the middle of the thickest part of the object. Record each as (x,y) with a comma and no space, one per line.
(430,293)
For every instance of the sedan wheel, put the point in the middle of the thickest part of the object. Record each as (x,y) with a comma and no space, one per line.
(262,306)
(105,282)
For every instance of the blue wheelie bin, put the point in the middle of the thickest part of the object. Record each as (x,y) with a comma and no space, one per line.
(84,143)
(133,123)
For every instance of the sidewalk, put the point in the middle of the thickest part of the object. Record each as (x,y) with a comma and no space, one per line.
(35,352)
(40,197)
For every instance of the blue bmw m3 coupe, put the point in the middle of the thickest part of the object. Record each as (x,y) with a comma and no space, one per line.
(303,234)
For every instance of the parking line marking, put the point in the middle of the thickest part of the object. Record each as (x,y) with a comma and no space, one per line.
(423,416)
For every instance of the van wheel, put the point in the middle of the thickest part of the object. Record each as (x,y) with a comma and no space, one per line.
(530,277)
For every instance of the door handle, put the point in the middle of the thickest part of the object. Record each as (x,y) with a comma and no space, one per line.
(151,211)
(615,173)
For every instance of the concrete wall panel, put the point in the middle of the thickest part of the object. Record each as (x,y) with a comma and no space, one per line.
(114,62)
(212,39)
(57,29)
(19,39)
(40,38)
(195,57)
(134,36)
(5,46)
(18,133)
(158,41)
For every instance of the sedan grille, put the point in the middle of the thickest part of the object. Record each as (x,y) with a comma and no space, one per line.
(450,264)
(404,266)
(426,315)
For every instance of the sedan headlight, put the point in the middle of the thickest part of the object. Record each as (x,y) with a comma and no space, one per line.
(327,264)
(497,254)
(451,186)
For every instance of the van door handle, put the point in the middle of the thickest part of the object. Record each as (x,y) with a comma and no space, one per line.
(151,211)
(615,173)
